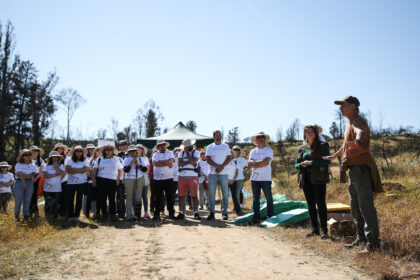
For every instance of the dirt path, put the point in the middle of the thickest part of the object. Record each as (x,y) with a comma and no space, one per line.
(190,250)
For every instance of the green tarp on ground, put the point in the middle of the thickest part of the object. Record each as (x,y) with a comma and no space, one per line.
(279,207)
(286,218)
(276,198)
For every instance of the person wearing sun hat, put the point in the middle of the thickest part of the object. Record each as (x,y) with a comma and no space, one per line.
(203,189)
(52,185)
(76,167)
(25,172)
(241,165)
(39,163)
(364,178)
(142,150)
(106,177)
(260,161)
(133,168)
(90,149)
(188,177)
(163,161)
(218,156)
(121,195)
(6,182)
(62,150)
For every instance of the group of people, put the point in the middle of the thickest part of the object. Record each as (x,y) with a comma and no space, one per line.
(114,184)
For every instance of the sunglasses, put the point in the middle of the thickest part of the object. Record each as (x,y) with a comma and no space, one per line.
(78,151)
(260,137)
(108,150)
(27,155)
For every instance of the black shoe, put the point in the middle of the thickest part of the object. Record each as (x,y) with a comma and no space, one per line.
(197,216)
(254,221)
(211,217)
(180,217)
(313,233)
(156,217)
(172,217)
(225,217)
(324,236)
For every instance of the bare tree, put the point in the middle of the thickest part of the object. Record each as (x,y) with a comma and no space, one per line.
(114,128)
(191,125)
(292,133)
(71,100)
(127,132)
(139,122)
(340,118)
(233,136)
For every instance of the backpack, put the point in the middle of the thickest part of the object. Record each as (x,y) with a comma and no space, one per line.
(196,170)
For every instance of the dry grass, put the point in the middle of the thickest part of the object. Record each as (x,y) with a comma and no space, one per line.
(28,249)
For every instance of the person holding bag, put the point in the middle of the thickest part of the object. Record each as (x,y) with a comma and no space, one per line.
(313,177)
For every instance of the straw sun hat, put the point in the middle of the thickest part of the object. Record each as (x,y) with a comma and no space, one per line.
(254,138)
(5,164)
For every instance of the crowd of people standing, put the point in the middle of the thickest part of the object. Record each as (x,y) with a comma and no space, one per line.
(112,184)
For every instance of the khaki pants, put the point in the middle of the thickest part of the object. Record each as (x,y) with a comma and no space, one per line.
(133,189)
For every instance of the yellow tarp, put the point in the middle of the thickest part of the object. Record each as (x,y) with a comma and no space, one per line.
(337,207)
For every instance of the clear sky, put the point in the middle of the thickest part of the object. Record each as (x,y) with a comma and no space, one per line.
(257,65)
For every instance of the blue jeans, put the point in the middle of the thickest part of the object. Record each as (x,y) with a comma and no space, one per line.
(222,180)
(78,190)
(121,200)
(256,192)
(22,197)
(144,197)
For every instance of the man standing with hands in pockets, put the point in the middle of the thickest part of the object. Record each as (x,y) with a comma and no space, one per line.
(364,179)
(218,157)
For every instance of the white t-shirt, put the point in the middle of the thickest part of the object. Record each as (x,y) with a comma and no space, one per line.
(163,173)
(218,154)
(262,173)
(52,184)
(66,159)
(176,171)
(241,163)
(204,169)
(132,173)
(34,161)
(6,178)
(231,170)
(77,178)
(146,160)
(183,156)
(108,167)
(26,169)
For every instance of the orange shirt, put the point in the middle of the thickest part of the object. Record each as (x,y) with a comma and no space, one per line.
(358,124)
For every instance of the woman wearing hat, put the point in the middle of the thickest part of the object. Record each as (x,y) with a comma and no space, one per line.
(106,178)
(134,166)
(236,187)
(62,150)
(77,167)
(24,186)
(309,162)
(6,182)
(52,185)
(142,153)
(39,163)
(91,191)
(90,148)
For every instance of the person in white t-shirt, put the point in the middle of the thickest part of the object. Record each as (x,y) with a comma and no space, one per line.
(52,185)
(6,182)
(77,167)
(163,175)
(142,153)
(176,151)
(90,148)
(236,187)
(25,172)
(260,161)
(218,157)
(39,163)
(106,178)
(203,188)
(62,150)
(133,167)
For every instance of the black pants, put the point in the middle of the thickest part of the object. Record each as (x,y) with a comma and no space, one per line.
(4,201)
(315,196)
(33,206)
(106,189)
(78,190)
(164,188)
(62,200)
(90,197)
(233,191)
(152,196)
(51,206)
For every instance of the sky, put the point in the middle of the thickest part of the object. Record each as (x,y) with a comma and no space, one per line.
(257,65)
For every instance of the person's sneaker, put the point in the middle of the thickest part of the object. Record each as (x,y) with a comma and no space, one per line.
(180,217)
(355,243)
(254,221)
(147,215)
(137,218)
(324,236)
(369,249)
(211,217)
(70,220)
(224,217)
(76,219)
(197,216)
(312,233)
(156,217)
(201,208)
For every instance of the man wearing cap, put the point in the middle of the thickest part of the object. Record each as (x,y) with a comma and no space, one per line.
(364,177)
(122,154)
(188,177)
(260,161)
(163,174)
(218,157)
(203,190)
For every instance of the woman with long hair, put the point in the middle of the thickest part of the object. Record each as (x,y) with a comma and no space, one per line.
(91,191)
(52,185)
(77,167)
(313,178)
(142,153)
(39,163)
(25,172)
(62,150)
(6,183)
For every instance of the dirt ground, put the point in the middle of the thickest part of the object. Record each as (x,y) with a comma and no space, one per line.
(190,250)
